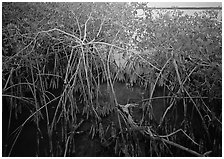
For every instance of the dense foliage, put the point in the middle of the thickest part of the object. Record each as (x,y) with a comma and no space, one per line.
(56,57)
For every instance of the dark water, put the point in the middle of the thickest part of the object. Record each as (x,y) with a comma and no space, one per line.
(86,146)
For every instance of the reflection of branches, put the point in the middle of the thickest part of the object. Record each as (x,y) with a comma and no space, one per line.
(182,84)
(213,115)
(195,105)
(161,138)
(19,128)
(154,86)
(150,133)
(179,130)
(181,147)
(162,97)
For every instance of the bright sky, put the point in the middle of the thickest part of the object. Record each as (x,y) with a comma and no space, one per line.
(184,4)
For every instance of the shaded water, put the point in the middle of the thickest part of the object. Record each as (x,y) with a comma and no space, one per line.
(86,145)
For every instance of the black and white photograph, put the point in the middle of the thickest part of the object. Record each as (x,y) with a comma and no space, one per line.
(111,79)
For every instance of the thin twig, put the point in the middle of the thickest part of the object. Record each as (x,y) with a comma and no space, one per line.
(101,25)
(182,147)
(179,130)
(85,28)
(77,21)
(11,71)
(66,146)
(181,88)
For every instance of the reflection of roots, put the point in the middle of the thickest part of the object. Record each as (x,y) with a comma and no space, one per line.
(149,133)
